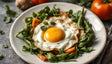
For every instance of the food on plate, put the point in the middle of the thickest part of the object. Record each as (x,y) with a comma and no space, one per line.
(102,8)
(55,35)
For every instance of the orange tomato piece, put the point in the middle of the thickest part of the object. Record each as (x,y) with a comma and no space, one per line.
(70,50)
(43,58)
(35,22)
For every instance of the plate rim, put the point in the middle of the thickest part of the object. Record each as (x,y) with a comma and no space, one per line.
(10,33)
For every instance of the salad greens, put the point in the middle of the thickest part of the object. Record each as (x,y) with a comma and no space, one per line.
(84,44)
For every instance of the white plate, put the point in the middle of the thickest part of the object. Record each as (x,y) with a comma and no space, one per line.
(97,26)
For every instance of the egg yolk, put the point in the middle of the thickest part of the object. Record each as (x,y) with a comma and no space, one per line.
(54,34)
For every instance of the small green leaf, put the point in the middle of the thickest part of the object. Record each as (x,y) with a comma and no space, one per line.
(45,23)
(2,32)
(52,23)
(43,28)
(5,46)
(34,14)
(7,19)
(1,57)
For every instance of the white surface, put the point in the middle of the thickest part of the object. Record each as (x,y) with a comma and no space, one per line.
(19,23)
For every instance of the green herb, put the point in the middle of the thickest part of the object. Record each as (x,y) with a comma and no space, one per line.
(10,12)
(1,57)
(43,28)
(34,14)
(2,32)
(7,19)
(61,51)
(51,57)
(52,23)
(81,20)
(5,46)
(25,48)
(86,38)
(45,23)
(62,56)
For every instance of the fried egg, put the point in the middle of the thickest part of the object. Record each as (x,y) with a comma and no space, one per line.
(63,35)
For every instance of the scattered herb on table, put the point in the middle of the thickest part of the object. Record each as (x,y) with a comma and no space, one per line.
(1,57)
(10,14)
(2,32)
(5,46)
(7,19)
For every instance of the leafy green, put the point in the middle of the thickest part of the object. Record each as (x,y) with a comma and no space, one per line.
(46,12)
(62,56)
(86,38)
(81,19)
(87,26)
(51,57)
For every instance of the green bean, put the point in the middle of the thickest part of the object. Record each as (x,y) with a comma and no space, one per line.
(87,26)
(62,56)
(80,20)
